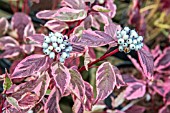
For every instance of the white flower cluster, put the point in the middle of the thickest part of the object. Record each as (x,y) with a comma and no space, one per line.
(57,43)
(129,40)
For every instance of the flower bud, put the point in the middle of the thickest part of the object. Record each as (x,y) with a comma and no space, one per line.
(54,44)
(120,48)
(120,41)
(45,45)
(50,48)
(132,46)
(64,55)
(62,46)
(58,49)
(52,55)
(62,60)
(47,39)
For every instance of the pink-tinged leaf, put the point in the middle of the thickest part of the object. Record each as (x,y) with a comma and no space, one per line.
(13,102)
(163,61)
(88,22)
(52,104)
(78,107)
(56,26)
(30,65)
(146,62)
(10,52)
(3,25)
(89,96)
(36,1)
(27,48)
(72,61)
(42,85)
(136,109)
(70,15)
(87,59)
(135,63)
(98,18)
(29,30)
(76,85)
(112,7)
(19,22)
(100,8)
(28,100)
(164,109)
(135,90)
(118,111)
(6,41)
(92,53)
(105,80)
(46,14)
(37,38)
(78,48)
(93,39)
(14,64)
(111,29)
(75,4)
(61,76)
(119,80)
(128,79)
(156,52)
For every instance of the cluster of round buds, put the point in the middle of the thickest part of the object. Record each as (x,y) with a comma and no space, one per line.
(129,40)
(56,43)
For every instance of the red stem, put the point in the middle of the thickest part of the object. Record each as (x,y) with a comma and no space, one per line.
(99,59)
(71,31)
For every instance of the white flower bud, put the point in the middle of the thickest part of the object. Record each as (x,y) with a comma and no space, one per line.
(57,34)
(46,51)
(120,48)
(118,32)
(135,42)
(53,39)
(140,39)
(55,45)
(127,29)
(51,34)
(47,39)
(64,55)
(125,37)
(66,43)
(62,46)
(125,45)
(132,46)
(50,48)
(60,40)
(133,35)
(118,36)
(121,41)
(67,50)
(137,47)
(129,41)
(58,49)
(68,55)
(45,45)
(141,45)
(123,32)
(52,55)
(62,60)
(70,48)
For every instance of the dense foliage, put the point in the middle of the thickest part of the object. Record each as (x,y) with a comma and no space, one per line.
(80,55)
